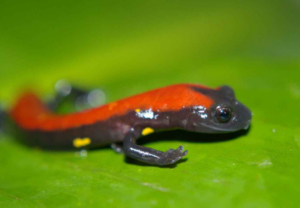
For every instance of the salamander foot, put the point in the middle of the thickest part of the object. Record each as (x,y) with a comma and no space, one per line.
(171,156)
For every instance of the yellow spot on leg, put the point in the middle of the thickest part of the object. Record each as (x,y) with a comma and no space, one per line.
(78,142)
(147,131)
(137,110)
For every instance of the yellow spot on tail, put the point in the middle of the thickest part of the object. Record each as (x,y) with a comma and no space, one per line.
(137,110)
(78,142)
(147,131)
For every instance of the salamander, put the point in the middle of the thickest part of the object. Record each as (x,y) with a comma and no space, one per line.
(190,107)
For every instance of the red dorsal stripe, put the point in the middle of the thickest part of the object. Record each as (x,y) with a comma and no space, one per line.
(30,113)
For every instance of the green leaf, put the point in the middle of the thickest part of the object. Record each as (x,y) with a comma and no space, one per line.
(128,47)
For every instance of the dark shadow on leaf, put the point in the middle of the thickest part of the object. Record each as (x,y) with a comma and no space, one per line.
(139,163)
(181,135)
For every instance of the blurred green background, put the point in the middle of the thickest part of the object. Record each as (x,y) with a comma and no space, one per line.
(127,47)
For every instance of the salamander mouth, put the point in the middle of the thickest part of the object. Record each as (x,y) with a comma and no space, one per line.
(247,126)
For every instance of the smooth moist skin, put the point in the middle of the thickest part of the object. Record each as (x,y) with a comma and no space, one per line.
(189,107)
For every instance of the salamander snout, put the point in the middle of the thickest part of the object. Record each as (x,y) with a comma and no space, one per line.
(247,126)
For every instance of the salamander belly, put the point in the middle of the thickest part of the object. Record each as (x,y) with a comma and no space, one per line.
(82,137)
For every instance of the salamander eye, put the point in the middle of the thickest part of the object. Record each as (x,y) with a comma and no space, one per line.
(223,114)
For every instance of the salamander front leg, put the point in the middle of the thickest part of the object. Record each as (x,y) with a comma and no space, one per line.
(151,156)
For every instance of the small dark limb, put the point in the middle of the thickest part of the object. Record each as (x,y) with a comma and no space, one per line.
(151,156)
(3,119)
(75,99)
(66,93)
(117,147)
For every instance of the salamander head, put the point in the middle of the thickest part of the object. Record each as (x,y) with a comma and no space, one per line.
(225,115)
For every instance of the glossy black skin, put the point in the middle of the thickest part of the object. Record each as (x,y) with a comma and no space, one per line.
(129,127)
